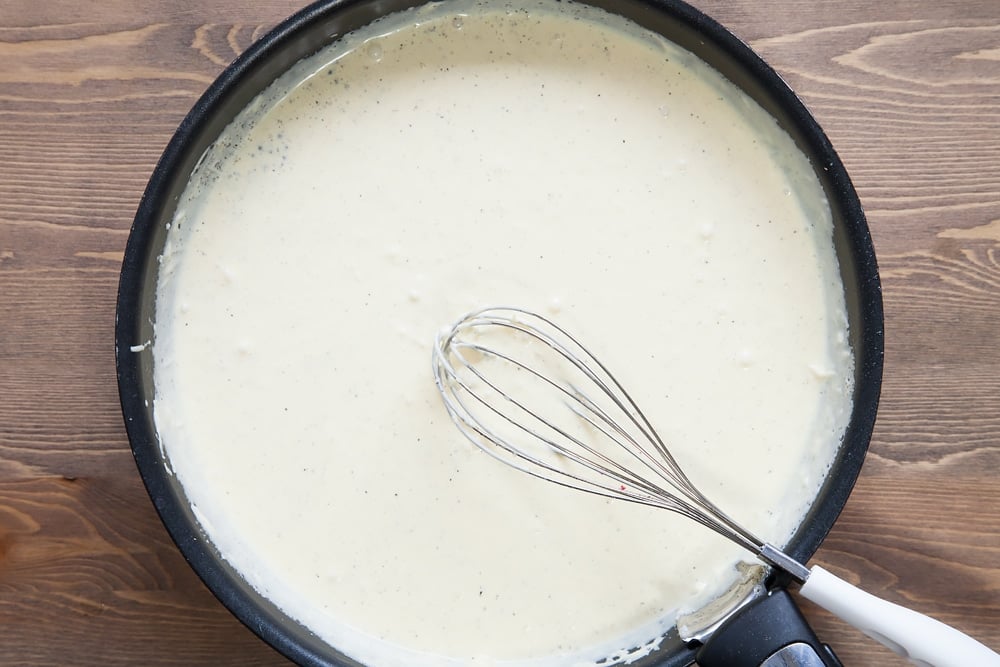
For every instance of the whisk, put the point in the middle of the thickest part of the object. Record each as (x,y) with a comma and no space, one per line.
(528,393)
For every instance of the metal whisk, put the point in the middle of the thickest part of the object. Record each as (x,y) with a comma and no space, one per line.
(528,393)
(581,429)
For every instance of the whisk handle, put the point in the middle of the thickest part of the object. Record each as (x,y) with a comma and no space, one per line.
(921,639)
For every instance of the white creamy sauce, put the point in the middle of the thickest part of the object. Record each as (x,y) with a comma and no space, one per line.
(459,157)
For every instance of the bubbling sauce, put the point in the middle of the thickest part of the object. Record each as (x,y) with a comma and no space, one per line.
(538,154)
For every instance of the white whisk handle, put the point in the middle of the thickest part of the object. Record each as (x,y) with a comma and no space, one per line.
(921,639)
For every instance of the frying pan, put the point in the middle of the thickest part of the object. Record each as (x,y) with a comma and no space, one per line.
(314,28)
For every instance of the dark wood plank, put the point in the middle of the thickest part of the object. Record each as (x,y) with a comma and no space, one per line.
(88,576)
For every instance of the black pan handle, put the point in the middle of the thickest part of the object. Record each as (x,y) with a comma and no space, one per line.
(768,632)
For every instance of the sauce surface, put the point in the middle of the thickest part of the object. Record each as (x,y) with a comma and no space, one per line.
(542,155)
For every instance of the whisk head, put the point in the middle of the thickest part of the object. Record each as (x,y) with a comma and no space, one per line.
(528,393)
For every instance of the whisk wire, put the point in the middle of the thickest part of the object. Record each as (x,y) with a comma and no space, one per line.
(620,474)
(464,386)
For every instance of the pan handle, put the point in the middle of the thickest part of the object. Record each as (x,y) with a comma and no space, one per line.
(768,632)
(921,639)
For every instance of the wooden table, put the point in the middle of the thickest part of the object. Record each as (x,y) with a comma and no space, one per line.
(90,93)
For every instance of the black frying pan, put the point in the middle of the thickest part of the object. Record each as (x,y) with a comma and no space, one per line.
(315,27)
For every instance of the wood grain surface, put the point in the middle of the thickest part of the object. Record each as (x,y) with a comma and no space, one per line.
(90,93)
